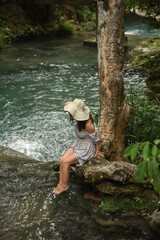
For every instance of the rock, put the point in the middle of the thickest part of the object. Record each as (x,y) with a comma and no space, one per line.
(90,42)
(10,154)
(113,178)
(56,166)
(110,188)
(92,196)
(121,171)
(154,222)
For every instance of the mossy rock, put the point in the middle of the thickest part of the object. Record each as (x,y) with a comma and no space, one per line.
(139,205)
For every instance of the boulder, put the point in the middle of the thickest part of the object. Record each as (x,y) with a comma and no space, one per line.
(96,170)
(111,188)
(7,153)
(154,222)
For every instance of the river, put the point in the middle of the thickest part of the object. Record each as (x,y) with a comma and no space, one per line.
(36,79)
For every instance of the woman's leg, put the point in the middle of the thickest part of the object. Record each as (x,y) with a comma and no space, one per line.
(68,153)
(67,160)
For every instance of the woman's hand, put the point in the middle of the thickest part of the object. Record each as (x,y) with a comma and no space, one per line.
(99,154)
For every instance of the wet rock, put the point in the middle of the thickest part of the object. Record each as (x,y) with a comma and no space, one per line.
(10,154)
(154,222)
(123,222)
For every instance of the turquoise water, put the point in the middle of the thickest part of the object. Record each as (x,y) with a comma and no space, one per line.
(141,29)
(37,78)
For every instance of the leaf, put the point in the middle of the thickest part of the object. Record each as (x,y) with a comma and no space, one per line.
(142,144)
(154,150)
(127,151)
(141,172)
(157,184)
(146,151)
(156,141)
(158,157)
(152,169)
(155,169)
(132,151)
(149,169)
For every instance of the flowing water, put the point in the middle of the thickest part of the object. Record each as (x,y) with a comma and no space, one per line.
(139,28)
(36,79)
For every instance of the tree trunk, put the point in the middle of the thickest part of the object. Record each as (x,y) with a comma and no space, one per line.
(114,110)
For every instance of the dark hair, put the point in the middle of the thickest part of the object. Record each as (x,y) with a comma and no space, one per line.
(82,124)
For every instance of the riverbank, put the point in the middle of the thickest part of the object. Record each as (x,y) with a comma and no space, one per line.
(32,20)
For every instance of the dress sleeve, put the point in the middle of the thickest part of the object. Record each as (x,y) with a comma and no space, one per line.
(94,137)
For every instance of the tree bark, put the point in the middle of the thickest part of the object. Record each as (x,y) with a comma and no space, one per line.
(114,110)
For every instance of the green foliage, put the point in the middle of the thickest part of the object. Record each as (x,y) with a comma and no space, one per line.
(7,36)
(30,31)
(87,17)
(144,122)
(124,204)
(150,166)
(65,27)
(152,44)
(95,114)
(150,7)
(148,59)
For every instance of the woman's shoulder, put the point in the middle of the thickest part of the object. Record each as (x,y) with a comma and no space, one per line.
(90,128)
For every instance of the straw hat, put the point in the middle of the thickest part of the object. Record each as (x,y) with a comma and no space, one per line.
(78,110)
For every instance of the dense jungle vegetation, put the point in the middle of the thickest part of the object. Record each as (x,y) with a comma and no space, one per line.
(29,20)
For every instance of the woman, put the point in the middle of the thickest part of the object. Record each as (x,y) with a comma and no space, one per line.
(86,145)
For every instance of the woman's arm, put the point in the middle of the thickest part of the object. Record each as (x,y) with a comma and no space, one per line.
(98,153)
(91,129)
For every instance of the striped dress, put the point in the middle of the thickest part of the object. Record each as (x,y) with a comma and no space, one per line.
(85,146)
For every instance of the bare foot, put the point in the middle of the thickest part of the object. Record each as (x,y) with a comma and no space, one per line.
(59,189)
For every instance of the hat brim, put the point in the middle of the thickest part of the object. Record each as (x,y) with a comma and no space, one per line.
(77,114)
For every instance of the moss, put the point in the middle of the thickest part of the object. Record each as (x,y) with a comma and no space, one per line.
(126,204)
